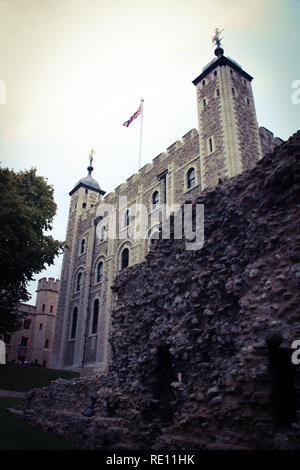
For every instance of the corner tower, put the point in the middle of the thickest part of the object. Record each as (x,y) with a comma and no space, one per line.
(228,130)
(85,197)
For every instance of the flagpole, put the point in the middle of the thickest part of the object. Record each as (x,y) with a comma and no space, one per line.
(141,133)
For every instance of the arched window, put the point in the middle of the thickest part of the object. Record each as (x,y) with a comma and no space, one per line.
(99,272)
(102,233)
(191,178)
(126,218)
(47,344)
(125,258)
(95,317)
(74,322)
(82,246)
(155,200)
(78,282)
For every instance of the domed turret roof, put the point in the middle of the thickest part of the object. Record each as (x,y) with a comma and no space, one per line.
(88,181)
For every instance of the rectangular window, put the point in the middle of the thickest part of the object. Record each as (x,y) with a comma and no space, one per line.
(26,325)
(74,323)
(24,341)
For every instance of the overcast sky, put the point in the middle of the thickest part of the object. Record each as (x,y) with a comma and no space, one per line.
(75,70)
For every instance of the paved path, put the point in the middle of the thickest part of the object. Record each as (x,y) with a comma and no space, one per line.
(11,393)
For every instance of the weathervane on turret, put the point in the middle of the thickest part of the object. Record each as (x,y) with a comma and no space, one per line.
(91,158)
(217,42)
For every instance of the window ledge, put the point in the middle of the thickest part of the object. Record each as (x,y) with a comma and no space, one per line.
(190,189)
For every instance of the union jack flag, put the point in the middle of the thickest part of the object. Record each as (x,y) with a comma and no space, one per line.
(134,116)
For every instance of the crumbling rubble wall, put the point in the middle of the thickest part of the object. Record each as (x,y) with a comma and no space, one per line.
(201,339)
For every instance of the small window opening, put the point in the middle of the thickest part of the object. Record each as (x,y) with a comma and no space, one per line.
(24,341)
(125,258)
(233,91)
(99,271)
(74,322)
(95,317)
(26,325)
(218,92)
(82,246)
(191,178)
(126,218)
(83,205)
(78,283)
(103,233)
(210,143)
(43,307)
(203,82)
(215,73)
(155,200)
(204,102)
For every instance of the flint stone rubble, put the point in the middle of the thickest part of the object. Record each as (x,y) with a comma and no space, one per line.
(192,332)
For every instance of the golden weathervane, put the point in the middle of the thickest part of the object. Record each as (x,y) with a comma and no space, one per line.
(217,39)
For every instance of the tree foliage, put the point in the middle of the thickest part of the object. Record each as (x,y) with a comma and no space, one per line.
(27,209)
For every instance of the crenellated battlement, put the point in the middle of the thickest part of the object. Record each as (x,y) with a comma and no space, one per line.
(156,161)
(48,284)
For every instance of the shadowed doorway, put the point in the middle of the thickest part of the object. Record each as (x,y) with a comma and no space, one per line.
(164,375)
(284,397)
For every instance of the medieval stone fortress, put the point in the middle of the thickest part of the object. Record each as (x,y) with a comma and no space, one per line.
(32,343)
(228,142)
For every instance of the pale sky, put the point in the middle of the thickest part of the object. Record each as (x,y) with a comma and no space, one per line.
(74,70)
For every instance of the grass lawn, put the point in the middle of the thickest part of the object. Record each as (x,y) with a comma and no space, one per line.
(16,434)
(22,378)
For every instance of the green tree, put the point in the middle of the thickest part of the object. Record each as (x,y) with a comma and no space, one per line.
(27,209)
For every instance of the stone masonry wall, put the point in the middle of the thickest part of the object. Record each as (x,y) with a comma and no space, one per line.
(201,340)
